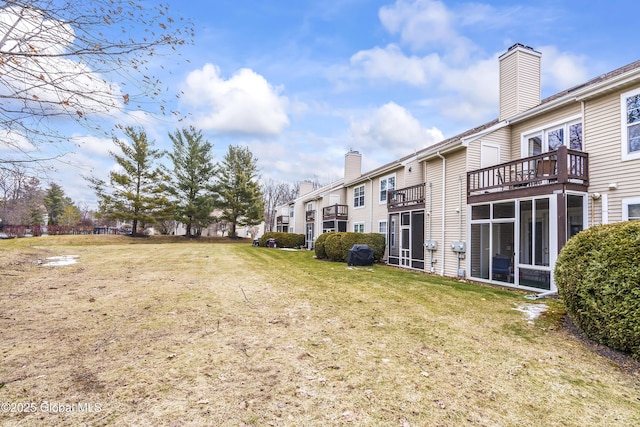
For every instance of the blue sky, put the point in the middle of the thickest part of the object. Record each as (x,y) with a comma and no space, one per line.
(302,82)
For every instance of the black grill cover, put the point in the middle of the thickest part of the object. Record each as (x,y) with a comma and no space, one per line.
(360,255)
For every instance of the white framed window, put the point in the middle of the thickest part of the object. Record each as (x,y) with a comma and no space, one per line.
(358,227)
(291,210)
(358,196)
(387,183)
(309,206)
(382,227)
(631,209)
(549,138)
(630,109)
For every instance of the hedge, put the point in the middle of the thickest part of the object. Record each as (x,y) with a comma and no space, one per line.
(283,240)
(598,277)
(335,246)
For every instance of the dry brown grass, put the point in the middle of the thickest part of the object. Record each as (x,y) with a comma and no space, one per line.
(194,334)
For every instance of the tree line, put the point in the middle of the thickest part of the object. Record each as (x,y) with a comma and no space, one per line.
(193,190)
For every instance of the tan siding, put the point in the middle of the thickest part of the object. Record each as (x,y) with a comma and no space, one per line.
(455,195)
(602,133)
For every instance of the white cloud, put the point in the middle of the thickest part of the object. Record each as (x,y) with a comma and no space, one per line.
(14,142)
(393,128)
(245,103)
(425,24)
(48,81)
(391,63)
(562,70)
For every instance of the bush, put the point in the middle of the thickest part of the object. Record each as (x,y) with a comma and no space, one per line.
(284,240)
(335,246)
(319,245)
(598,277)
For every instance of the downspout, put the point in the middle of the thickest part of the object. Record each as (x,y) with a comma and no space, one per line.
(459,254)
(444,198)
(430,213)
(371,208)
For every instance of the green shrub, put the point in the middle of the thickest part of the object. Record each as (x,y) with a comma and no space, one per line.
(319,245)
(335,246)
(598,277)
(284,240)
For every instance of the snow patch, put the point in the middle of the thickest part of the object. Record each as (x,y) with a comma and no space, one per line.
(60,261)
(531,311)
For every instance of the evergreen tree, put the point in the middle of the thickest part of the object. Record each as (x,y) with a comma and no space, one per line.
(138,192)
(55,202)
(237,190)
(193,173)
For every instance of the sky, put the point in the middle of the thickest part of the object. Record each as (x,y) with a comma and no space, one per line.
(301,82)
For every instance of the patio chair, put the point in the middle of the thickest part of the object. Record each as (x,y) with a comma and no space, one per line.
(501,266)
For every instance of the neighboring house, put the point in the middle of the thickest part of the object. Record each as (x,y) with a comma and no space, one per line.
(498,202)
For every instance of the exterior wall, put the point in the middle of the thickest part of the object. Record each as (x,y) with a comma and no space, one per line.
(500,137)
(603,139)
(452,212)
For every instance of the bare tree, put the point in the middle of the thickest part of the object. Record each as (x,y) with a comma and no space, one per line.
(67,59)
(274,194)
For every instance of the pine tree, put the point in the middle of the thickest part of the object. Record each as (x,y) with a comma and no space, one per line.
(55,202)
(237,190)
(138,193)
(193,173)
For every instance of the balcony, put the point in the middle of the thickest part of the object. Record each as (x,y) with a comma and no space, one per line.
(406,198)
(310,215)
(335,212)
(282,220)
(562,169)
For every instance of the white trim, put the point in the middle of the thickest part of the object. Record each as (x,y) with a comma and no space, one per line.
(355,224)
(543,132)
(386,226)
(385,178)
(625,206)
(364,198)
(605,208)
(624,142)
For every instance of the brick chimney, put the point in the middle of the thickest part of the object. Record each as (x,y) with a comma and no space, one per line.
(352,165)
(520,87)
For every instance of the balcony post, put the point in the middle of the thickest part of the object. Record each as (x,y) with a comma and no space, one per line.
(563,167)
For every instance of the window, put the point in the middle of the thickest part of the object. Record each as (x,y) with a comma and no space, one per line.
(382,227)
(291,210)
(630,107)
(631,209)
(358,197)
(358,227)
(386,184)
(309,207)
(548,139)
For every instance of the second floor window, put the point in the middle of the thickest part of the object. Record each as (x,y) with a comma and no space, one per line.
(358,196)
(630,106)
(386,184)
(549,139)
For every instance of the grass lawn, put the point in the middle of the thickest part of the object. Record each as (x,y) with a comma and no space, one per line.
(148,333)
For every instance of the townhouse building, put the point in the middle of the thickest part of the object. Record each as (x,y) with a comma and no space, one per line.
(498,202)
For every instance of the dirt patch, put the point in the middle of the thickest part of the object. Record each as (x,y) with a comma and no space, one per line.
(621,359)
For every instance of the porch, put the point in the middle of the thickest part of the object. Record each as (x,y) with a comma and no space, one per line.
(545,173)
(335,212)
(407,198)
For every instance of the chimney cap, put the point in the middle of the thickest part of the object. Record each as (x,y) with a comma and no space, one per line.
(520,46)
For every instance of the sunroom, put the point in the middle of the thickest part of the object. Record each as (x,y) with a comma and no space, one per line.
(522,213)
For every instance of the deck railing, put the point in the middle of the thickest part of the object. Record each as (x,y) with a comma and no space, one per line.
(339,212)
(310,215)
(561,166)
(406,197)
